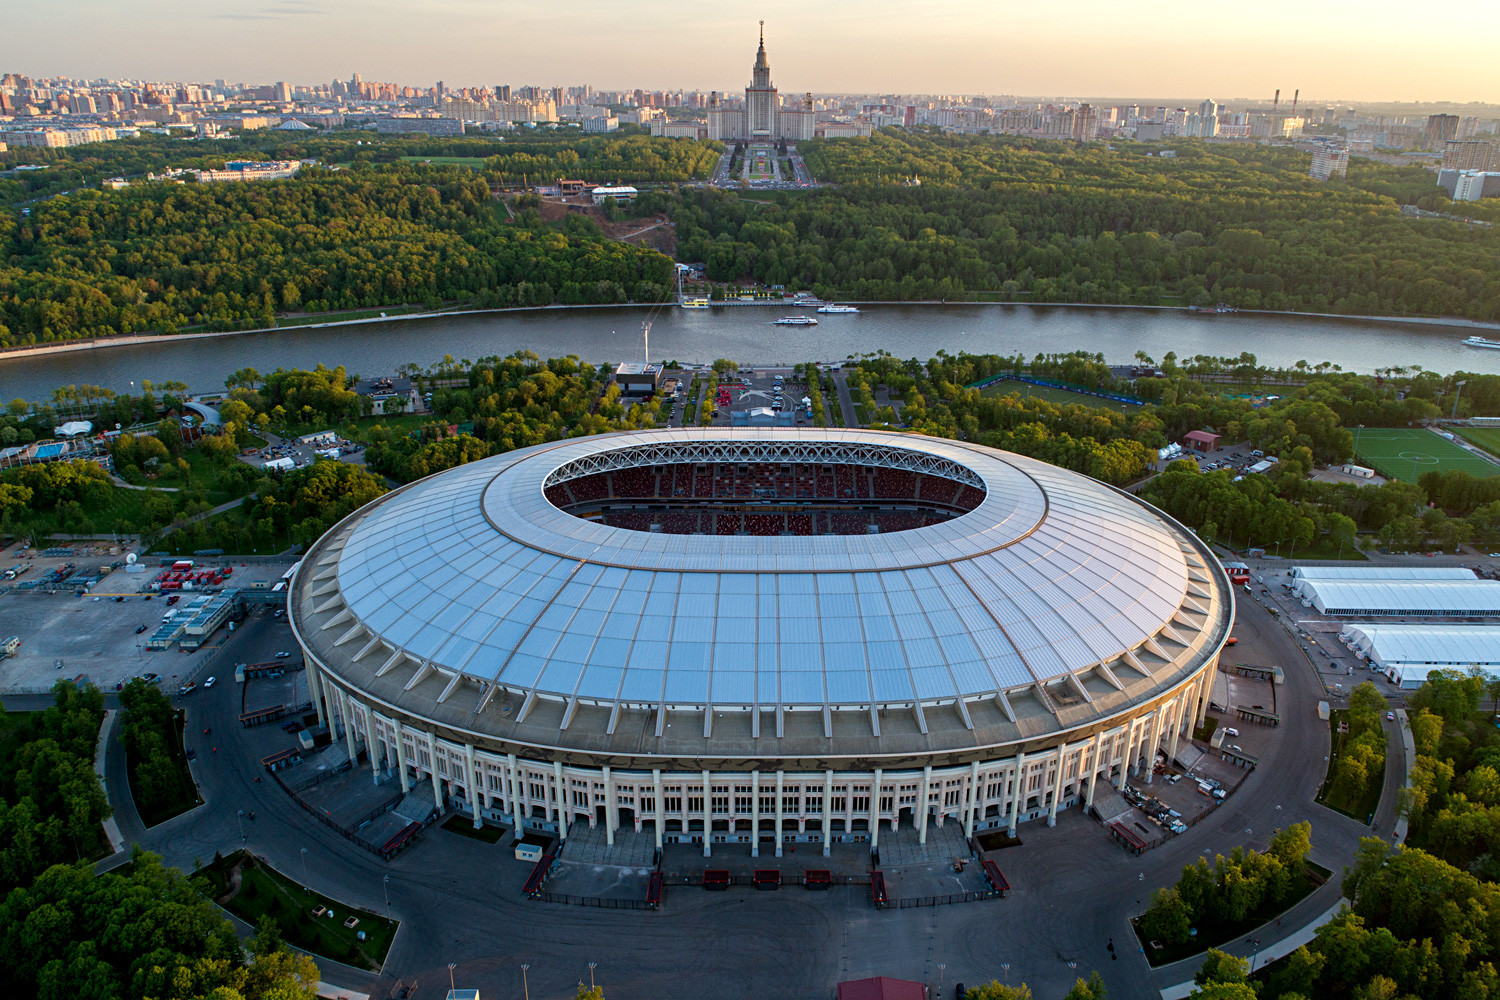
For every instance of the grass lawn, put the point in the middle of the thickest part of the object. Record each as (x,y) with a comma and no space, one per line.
(1401,453)
(1487,438)
(1214,936)
(264,890)
(1363,808)
(1052,394)
(186,792)
(1205,732)
(490,833)
(1324,549)
(472,162)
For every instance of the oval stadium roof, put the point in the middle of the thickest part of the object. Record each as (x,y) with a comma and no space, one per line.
(474,575)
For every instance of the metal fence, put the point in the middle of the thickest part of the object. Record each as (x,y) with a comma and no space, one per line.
(793,879)
(972,896)
(594,901)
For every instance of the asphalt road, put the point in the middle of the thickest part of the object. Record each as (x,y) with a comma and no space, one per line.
(459,899)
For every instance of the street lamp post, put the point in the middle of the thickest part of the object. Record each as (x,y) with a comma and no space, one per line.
(591,974)
(1255,950)
(451,987)
(1456,396)
(304,866)
(942,968)
(386,884)
(242,828)
(525,986)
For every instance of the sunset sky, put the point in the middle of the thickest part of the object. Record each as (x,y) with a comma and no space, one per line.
(1330,49)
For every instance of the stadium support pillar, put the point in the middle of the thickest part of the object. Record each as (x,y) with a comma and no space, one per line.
(875,811)
(708,816)
(315,689)
(437,783)
(563,822)
(656,803)
(515,793)
(609,807)
(348,728)
(922,804)
(370,744)
(827,805)
(755,814)
(1176,727)
(780,783)
(1121,741)
(1057,783)
(1015,799)
(1205,690)
(471,778)
(1094,765)
(1155,742)
(971,793)
(401,760)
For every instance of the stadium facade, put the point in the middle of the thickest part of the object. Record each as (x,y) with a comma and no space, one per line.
(760,636)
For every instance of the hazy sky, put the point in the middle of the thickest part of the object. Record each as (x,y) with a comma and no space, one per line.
(1330,49)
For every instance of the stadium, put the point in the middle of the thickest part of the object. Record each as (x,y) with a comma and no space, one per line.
(759,636)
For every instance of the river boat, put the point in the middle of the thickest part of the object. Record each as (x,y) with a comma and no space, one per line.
(1217,310)
(832,308)
(1481,342)
(694,302)
(795,321)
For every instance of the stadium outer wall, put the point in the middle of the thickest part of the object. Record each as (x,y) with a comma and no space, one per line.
(737,791)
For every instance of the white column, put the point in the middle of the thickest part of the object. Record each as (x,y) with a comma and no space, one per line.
(1057,784)
(1015,804)
(437,783)
(827,810)
(401,760)
(755,814)
(609,807)
(656,804)
(1176,725)
(371,743)
(348,728)
(922,804)
(970,793)
(1094,769)
(708,815)
(780,777)
(472,777)
(1117,742)
(875,811)
(564,809)
(315,689)
(1156,718)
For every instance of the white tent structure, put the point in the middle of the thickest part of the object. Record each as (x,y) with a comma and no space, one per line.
(1435,598)
(1408,653)
(73,428)
(1306,575)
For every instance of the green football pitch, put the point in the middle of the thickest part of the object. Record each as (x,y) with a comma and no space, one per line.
(1398,453)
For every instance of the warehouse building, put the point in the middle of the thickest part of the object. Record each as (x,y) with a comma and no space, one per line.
(1403,598)
(1406,654)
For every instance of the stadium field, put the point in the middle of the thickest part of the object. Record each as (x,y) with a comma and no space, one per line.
(1054,395)
(1487,438)
(1399,453)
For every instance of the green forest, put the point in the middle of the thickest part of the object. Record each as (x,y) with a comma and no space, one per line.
(993,218)
(1040,221)
(161,257)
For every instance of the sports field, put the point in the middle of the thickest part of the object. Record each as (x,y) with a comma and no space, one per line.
(1487,438)
(1398,453)
(472,162)
(1052,394)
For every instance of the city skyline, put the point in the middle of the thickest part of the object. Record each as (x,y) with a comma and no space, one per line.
(1331,52)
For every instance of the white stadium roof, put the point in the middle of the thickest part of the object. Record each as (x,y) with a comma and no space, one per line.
(473,573)
(1404,597)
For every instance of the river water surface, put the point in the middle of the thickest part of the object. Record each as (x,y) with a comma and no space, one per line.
(745,334)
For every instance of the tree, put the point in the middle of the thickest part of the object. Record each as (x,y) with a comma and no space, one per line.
(1222,967)
(996,990)
(1088,989)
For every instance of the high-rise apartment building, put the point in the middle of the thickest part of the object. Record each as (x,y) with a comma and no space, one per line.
(1329,160)
(1440,128)
(1471,154)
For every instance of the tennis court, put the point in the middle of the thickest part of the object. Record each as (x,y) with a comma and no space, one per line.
(1399,453)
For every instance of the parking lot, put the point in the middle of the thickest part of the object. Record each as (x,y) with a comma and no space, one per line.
(99,635)
(756,388)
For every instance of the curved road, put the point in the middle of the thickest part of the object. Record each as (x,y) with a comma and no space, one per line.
(459,899)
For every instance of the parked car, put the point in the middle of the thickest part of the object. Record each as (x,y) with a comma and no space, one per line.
(209,683)
(1390,717)
(139,629)
(283,655)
